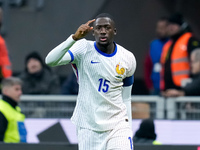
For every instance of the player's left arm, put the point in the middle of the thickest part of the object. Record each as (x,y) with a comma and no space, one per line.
(127,86)
(126,96)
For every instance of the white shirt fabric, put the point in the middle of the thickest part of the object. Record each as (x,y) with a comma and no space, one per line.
(99,106)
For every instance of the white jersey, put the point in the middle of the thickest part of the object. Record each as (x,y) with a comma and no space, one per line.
(99,104)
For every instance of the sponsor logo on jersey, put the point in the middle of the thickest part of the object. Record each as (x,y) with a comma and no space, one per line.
(94,62)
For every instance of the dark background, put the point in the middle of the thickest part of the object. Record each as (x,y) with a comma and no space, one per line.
(29,27)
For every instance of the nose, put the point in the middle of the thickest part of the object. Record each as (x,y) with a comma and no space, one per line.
(103,30)
(20,92)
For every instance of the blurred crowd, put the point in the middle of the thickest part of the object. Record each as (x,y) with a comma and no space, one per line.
(172,65)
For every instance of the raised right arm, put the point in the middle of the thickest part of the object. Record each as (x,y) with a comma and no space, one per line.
(60,55)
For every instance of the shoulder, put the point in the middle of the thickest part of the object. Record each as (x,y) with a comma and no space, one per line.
(155,41)
(81,41)
(81,46)
(128,58)
(123,50)
(84,42)
(127,54)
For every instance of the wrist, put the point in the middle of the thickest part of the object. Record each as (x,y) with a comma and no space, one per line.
(74,37)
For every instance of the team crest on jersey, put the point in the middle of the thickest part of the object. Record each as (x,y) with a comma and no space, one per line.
(120,70)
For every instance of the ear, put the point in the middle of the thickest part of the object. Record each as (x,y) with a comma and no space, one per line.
(5,90)
(115,31)
(93,32)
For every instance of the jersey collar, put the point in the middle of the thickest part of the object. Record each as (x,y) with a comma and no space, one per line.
(104,54)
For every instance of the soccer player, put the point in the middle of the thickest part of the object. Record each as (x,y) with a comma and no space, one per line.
(104,71)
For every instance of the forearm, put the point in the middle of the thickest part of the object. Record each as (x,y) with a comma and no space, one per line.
(126,95)
(59,56)
(129,112)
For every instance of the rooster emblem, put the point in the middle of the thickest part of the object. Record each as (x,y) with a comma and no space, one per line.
(120,70)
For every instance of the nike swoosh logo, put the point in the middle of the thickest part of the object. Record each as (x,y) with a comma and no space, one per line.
(93,62)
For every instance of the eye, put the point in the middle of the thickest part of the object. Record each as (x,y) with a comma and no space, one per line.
(98,27)
(108,27)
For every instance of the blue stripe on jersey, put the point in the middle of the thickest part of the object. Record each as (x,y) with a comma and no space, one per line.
(104,54)
(128,81)
(72,56)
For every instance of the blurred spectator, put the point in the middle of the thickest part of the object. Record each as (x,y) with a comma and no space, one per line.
(37,77)
(12,129)
(5,64)
(70,85)
(152,60)
(191,87)
(146,133)
(176,52)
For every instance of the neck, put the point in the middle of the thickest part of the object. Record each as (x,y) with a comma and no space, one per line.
(9,100)
(108,48)
(163,39)
(177,35)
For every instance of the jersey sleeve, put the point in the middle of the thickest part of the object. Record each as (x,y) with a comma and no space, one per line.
(131,65)
(66,52)
(60,55)
(78,50)
(126,96)
(129,79)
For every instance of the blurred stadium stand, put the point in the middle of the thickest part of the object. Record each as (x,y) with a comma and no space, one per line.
(61,106)
(43,32)
(17,3)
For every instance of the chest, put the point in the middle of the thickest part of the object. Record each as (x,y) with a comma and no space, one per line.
(112,68)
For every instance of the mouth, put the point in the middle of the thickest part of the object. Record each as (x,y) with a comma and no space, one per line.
(103,39)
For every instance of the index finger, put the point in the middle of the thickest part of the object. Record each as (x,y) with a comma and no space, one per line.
(90,21)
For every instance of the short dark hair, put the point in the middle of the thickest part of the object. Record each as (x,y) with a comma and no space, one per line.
(102,15)
(106,15)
